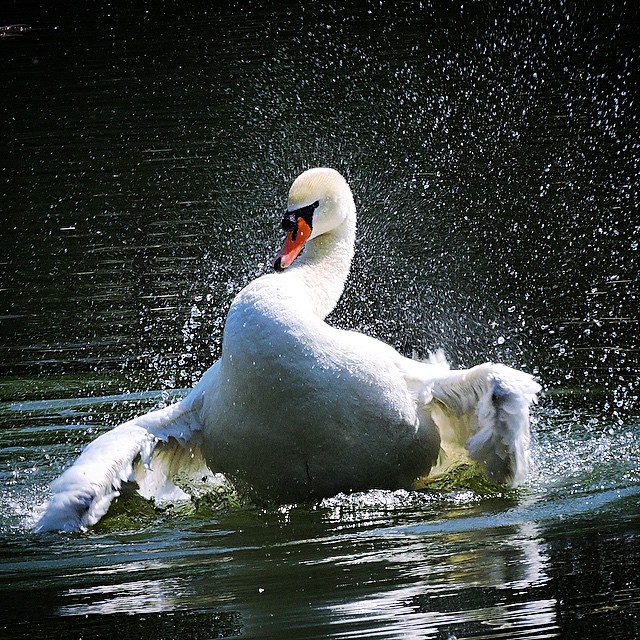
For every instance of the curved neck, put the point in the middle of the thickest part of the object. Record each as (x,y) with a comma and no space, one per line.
(324,266)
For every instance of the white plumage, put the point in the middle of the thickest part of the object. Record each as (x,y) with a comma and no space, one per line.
(297,409)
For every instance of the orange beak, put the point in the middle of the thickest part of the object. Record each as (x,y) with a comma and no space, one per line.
(292,246)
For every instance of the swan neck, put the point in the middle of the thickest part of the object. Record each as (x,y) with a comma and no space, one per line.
(324,266)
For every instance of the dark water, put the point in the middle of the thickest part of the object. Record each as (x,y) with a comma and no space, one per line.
(493,153)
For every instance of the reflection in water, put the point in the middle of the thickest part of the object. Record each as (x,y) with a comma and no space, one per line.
(404,612)
(478,586)
(138,596)
(529,557)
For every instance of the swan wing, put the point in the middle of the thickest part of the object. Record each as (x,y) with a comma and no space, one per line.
(483,411)
(151,450)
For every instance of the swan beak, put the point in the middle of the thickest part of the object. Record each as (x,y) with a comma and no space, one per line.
(293,244)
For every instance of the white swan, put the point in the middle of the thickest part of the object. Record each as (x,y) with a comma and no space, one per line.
(297,409)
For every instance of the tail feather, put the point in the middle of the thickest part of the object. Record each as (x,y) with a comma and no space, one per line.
(146,449)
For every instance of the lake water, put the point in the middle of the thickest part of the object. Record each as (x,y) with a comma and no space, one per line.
(493,153)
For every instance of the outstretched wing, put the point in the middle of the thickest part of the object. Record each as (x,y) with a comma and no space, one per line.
(484,410)
(150,450)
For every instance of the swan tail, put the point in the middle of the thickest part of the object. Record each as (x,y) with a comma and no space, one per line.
(485,412)
(150,450)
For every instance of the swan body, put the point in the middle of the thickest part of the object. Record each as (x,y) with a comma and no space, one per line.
(296,409)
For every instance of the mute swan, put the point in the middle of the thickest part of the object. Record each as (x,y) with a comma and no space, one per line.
(297,409)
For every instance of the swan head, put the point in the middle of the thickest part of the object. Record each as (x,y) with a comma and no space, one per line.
(320,201)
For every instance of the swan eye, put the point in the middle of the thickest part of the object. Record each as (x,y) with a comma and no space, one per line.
(290,220)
